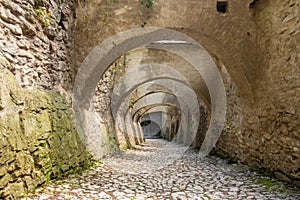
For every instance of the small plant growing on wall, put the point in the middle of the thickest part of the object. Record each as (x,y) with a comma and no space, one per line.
(131,102)
(147,3)
(116,69)
(44,16)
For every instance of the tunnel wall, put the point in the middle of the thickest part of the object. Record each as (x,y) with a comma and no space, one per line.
(171,125)
(269,136)
(278,87)
(36,38)
(110,140)
(154,116)
(254,40)
(155,126)
(38,140)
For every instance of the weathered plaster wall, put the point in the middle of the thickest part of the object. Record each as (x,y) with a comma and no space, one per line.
(38,140)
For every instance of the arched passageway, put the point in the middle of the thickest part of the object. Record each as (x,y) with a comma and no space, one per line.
(207,77)
(185,47)
(258,64)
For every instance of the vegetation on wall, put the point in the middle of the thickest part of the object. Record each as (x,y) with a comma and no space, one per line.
(116,69)
(44,16)
(39,140)
(147,3)
(131,102)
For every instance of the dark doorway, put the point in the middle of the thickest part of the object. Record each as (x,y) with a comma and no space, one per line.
(151,129)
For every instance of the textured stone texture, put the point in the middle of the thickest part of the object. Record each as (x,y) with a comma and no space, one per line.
(113,138)
(35,36)
(269,137)
(103,108)
(144,56)
(216,32)
(278,86)
(230,143)
(38,140)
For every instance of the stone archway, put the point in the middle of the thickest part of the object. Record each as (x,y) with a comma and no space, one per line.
(103,55)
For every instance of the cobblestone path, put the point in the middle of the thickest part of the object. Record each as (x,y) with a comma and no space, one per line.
(161,170)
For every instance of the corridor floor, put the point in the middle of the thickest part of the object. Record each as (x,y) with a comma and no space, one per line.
(162,170)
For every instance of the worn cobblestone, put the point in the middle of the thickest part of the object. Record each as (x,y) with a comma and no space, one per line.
(142,173)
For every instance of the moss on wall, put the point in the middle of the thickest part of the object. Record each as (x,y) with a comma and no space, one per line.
(38,139)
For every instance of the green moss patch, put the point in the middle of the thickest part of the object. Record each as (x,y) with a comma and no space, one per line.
(270,185)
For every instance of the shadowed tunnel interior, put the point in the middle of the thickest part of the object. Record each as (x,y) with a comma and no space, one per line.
(151,129)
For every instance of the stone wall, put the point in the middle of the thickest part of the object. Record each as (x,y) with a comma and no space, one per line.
(35,37)
(230,144)
(114,139)
(170,128)
(278,87)
(38,140)
(102,102)
(269,136)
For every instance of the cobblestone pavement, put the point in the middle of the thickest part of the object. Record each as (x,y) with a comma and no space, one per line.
(161,170)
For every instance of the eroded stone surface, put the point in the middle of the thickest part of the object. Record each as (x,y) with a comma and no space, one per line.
(131,176)
(35,38)
(38,141)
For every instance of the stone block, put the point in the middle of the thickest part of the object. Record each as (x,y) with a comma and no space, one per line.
(14,133)
(8,17)
(4,64)
(13,7)
(7,156)
(24,162)
(15,29)
(5,180)
(27,28)
(30,183)
(15,189)
(3,171)
(37,126)
(3,141)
